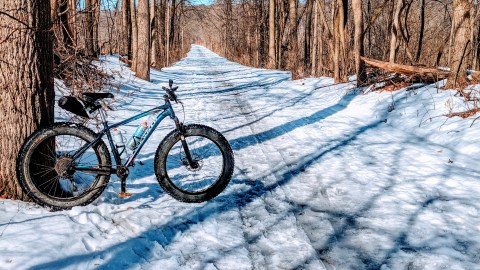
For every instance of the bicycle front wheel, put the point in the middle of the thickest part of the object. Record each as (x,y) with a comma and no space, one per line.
(49,174)
(213,164)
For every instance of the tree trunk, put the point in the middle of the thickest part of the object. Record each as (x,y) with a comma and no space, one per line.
(461,41)
(96,22)
(26,80)
(358,42)
(161,34)
(127,30)
(339,67)
(167,33)
(278,33)
(154,32)
(143,47)
(89,25)
(133,15)
(72,15)
(292,55)
(421,31)
(396,31)
(307,62)
(315,46)
(171,35)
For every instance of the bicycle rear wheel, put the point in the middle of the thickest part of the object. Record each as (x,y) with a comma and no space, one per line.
(213,158)
(51,177)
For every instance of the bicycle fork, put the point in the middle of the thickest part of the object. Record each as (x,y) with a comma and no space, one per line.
(192,163)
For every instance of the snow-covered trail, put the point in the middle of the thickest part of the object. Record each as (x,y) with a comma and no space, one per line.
(325,178)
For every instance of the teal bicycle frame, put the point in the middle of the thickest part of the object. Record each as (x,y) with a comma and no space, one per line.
(121,169)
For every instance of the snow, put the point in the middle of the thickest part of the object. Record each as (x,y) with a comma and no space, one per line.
(325,178)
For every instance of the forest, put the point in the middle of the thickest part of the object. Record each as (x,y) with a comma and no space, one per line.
(384,43)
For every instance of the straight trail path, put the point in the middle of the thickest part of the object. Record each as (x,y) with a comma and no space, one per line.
(324,178)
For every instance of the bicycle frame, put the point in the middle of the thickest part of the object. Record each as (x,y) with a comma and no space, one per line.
(166,110)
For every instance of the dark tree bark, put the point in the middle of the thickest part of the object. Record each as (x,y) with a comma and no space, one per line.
(67,32)
(89,25)
(134,39)
(421,31)
(308,34)
(26,82)
(126,29)
(143,47)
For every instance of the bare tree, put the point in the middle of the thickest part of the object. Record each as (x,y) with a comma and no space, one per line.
(126,30)
(91,27)
(26,81)
(395,30)
(340,8)
(421,31)
(134,39)
(461,43)
(358,41)
(271,34)
(143,46)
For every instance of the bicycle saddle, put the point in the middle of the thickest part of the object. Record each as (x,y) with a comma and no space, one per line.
(92,97)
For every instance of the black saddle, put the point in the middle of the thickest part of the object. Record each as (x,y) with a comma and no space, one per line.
(83,106)
(92,97)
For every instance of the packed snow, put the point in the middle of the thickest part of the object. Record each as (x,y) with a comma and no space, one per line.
(325,178)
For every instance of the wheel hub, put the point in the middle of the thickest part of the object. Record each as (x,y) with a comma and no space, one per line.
(62,165)
(198,165)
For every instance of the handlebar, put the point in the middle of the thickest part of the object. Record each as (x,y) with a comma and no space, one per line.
(170,92)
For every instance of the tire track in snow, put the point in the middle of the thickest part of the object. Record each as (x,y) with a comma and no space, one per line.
(242,108)
(268,150)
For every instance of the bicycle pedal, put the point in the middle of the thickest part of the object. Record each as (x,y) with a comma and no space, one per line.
(124,194)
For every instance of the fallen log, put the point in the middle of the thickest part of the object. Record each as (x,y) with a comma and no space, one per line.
(414,74)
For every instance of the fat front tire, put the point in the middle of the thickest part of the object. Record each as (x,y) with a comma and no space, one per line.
(43,173)
(213,164)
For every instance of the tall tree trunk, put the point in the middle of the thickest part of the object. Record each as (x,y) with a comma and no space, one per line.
(421,31)
(307,62)
(143,47)
(339,59)
(396,30)
(72,15)
(292,48)
(475,25)
(154,31)
(358,42)
(96,22)
(271,34)
(126,29)
(461,39)
(133,15)
(89,25)
(315,46)
(279,27)
(59,14)
(173,14)
(262,34)
(65,23)
(167,33)
(26,80)
(160,23)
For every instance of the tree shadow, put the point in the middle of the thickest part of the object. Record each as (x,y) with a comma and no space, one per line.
(165,234)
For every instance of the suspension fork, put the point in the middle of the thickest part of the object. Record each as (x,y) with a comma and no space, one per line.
(181,128)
